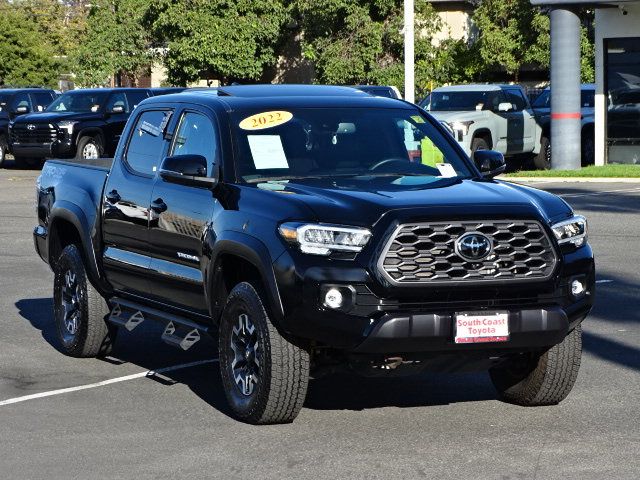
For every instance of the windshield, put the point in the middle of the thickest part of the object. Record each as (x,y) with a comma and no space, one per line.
(544,99)
(462,101)
(78,101)
(342,142)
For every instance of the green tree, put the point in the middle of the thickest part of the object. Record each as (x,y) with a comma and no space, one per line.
(512,33)
(222,39)
(115,42)
(26,59)
(361,41)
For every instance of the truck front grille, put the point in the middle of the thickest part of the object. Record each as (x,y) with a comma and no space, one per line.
(34,133)
(425,253)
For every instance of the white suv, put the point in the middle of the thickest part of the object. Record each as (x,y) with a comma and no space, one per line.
(496,117)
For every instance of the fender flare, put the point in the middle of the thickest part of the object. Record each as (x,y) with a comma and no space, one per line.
(255,252)
(90,132)
(70,212)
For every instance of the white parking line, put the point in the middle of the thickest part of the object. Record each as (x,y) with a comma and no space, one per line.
(148,373)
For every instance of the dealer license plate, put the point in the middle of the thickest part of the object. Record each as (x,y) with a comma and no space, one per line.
(478,327)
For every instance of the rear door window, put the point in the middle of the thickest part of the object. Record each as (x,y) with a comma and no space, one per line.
(147,142)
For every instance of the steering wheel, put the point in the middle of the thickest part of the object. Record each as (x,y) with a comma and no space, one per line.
(391,164)
(402,165)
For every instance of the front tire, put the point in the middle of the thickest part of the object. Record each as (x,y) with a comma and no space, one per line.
(79,310)
(264,375)
(479,143)
(89,148)
(3,150)
(542,160)
(536,380)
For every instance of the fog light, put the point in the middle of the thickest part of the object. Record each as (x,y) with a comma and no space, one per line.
(333,298)
(577,288)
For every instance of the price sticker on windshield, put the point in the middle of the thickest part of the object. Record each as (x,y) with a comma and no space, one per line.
(263,120)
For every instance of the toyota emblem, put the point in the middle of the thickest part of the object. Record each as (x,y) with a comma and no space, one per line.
(473,246)
(31,126)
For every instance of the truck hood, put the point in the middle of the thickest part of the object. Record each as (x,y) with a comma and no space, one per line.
(364,201)
(53,117)
(462,116)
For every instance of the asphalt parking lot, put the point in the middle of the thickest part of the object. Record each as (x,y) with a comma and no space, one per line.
(175,424)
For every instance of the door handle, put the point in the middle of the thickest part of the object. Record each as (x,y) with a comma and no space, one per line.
(158,205)
(113,197)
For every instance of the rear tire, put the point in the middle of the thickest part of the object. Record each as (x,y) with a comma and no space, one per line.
(79,310)
(536,380)
(542,160)
(588,149)
(264,375)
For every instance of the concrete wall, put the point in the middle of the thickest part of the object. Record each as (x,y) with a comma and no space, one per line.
(610,23)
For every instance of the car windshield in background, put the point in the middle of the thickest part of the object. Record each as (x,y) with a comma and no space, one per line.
(459,101)
(79,101)
(342,142)
(544,99)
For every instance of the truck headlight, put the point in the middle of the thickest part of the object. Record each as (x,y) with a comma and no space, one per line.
(324,239)
(67,126)
(461,128)
(572,231)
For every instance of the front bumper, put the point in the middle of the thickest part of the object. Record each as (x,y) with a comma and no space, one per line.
(55,149)
(391,320)
(393,333)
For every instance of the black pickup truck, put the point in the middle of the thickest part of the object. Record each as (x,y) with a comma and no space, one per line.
(85,124)
(313,229)
(15,102)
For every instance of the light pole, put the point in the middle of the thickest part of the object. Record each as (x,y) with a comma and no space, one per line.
(409,80)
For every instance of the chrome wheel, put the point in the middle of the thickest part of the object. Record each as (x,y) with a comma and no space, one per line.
(245,367)
(70,303)
(90,151)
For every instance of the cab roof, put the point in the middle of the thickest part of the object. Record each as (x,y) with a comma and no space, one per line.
(280,96)
(475,87)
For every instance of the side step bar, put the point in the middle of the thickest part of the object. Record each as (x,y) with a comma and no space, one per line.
(178,332)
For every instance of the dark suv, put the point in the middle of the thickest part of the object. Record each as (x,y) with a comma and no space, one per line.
(80,123)
(18,101)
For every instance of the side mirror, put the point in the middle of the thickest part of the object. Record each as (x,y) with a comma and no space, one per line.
(21,110)
(117,109)
(505,107)
(489,162)
(187,170)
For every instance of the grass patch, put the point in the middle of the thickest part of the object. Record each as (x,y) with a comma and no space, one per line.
(606,171)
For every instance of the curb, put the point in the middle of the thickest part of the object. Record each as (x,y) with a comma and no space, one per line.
(570,179)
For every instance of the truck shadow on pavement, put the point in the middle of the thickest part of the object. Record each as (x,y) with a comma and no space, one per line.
(341,391)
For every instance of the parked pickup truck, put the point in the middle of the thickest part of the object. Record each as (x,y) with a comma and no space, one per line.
(15,102)
(486,116)
(542,110)
(312,229)
(84,123)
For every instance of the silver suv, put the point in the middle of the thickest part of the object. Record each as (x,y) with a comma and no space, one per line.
(495,117)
